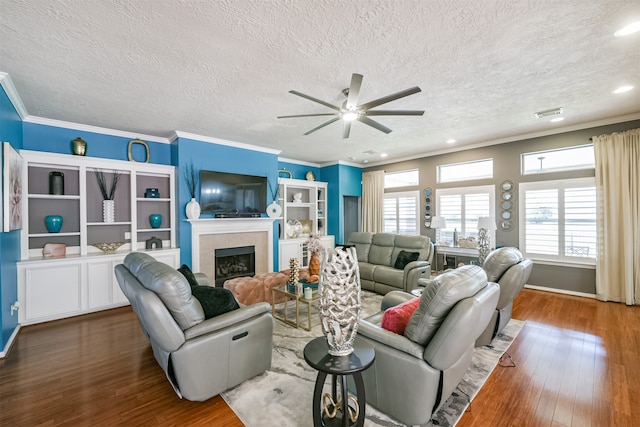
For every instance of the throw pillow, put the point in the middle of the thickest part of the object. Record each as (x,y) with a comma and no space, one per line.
(214,301)
(395,318)
(405,258)
(188,274)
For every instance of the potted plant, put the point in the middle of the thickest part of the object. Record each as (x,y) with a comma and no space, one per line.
(192,209)
(108,191)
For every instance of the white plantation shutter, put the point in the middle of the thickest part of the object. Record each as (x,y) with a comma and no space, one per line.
(401,213)
(461,208)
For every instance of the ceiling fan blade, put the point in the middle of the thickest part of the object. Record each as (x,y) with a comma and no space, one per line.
(311,98)
(346,129)
(322,125)
(354,91)
(394,113)
(374,124)
(390,98)
(307,115)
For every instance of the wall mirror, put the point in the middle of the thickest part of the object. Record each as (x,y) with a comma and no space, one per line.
(507,186)
(506,196)
(507,206)
(505,225)
(427,207)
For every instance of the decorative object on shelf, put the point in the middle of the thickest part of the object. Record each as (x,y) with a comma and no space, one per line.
(455,237)
(155,220)
(56,183)
(141,142)
(339,293)
(54,249)
(308,293)
(108,193)
(53,223)
(438,222)
(314,246)
(192,209)
(427,207)
(79,147)
(310,176)
(486,224)
(293,229)
(285,171)
(467,243)
(297,197)
(152,193)
(274,210)
(153,243)
(307,227)
(108,248)
(294,275)
(507,205)
(13,164)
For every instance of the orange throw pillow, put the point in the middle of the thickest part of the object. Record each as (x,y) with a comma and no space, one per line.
(395,319)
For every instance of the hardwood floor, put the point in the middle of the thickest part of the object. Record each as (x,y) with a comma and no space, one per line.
(578,364)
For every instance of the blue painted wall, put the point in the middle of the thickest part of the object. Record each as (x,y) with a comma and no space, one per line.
(54,139)
(300,171)
(221,158)
(343,181)
(10,131)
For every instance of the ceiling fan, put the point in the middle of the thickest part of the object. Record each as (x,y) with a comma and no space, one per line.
(350,110)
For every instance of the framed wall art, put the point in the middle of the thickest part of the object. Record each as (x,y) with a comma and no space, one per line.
(12,188)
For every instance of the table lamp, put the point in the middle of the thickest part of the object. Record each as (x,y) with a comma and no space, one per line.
(438,222)
(486,224)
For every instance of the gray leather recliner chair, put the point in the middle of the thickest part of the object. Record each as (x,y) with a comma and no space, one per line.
(414,373)
(510,270)
(201,358)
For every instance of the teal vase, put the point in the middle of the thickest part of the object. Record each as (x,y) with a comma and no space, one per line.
(53,223)
(155,220)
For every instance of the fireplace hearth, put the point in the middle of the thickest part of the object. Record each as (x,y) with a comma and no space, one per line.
(234,262)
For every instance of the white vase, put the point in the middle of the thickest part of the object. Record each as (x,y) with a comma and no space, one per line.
(274,210)
(339,293)
(193,209)
(108,211)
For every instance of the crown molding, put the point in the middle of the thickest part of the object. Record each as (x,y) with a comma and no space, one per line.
(93,129)
(181,134)
(521,137)
(299,162)
(12,93)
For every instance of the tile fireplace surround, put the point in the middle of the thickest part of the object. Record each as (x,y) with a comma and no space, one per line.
(210,234)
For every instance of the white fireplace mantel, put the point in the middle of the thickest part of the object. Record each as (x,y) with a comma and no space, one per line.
(200,227)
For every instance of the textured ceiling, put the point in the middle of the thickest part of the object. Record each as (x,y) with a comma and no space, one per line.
(223,68)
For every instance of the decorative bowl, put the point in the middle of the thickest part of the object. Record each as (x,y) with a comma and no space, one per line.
(108,248)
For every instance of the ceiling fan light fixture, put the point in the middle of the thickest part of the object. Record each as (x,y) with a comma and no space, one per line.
(634,27)
(349,116)
(623,89)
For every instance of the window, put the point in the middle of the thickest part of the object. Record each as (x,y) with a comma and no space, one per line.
(558,220)
(401,213)
(461,208)
(401,179)
(478,169)
(561,159)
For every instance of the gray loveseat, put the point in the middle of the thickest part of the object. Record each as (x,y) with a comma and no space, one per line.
(377,257)
(201,358)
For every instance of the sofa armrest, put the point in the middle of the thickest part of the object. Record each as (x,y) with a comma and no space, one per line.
(203,279)
(227,319)
(413,271)
(390,339)
(393,298)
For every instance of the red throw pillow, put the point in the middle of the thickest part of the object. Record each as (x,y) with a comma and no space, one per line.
(395,319)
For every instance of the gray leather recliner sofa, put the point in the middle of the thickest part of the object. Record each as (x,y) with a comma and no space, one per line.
(201,358)
(414,373)
(377,256)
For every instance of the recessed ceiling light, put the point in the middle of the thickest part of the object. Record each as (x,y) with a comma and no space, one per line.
(450,141)
(365,161)
(370,152)
(383,155)
(352,158)
(557,119)
(623,89)
(634,27)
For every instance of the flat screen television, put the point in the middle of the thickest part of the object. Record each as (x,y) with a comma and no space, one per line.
(232,194)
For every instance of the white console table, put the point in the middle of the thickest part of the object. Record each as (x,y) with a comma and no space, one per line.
(456,252)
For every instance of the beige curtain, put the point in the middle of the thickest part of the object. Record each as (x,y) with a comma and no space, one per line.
(618,189)
(372,201)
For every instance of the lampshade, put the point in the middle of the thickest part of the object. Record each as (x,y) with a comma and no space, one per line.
(487,222)
(438,222)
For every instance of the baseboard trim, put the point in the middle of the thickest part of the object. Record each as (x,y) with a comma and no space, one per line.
(561,291)
(5,352)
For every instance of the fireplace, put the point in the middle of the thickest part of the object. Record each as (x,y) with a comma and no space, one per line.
(234,262)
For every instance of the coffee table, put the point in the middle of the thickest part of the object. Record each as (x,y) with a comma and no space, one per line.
(282,292)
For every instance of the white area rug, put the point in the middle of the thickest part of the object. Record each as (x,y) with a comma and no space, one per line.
(282,395)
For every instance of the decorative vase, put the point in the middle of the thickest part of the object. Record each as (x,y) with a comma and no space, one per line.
(53,223)
(108,211)
(314,265)
(79,146)
(339,293)
(155,220)
(193,209)
(274,210)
